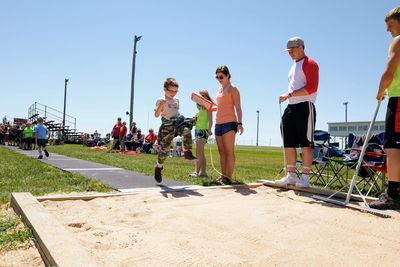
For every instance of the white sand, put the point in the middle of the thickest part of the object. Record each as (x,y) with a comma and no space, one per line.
(221,227)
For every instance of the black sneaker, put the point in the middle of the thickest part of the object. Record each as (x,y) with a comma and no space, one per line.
(46,153)
(157,173)
(385,202)
(40,157)
(189,155)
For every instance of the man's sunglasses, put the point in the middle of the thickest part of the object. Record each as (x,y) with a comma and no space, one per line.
(219,77)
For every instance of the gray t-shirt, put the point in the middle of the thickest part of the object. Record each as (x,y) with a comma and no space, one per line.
(171,107)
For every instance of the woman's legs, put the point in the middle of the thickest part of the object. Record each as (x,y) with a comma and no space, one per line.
(226,151)
(221,151)
(228,140)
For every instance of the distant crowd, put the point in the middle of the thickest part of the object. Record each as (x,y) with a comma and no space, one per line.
(23,135)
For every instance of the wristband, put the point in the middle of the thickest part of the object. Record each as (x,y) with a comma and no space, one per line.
(290,95)
(239,123)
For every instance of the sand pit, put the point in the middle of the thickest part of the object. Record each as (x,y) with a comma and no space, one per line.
(220,227)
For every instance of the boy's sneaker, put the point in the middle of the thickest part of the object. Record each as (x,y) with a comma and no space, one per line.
(193,175)
(189,155)
(46,153)
(385,202)
(202,175)
(288,179)
(303,182)
(40,157)
(157,173)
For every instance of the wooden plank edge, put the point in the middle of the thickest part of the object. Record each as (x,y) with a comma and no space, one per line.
(55,244)
(318,191)
(141,190)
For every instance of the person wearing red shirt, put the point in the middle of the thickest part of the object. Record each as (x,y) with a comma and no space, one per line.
(115,134)
(149,141)
(122,135)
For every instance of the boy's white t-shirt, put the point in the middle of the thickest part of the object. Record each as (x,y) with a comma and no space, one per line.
(171,107)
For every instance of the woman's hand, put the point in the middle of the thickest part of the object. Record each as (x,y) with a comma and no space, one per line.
(240,129)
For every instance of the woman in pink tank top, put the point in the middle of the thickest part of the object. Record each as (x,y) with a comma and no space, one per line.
(228,122)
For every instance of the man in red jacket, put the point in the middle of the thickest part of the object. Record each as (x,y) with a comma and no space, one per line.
(115,134)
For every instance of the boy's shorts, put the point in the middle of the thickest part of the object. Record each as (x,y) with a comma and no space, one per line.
(298,123)
(42,142)
(201,134)
(392,124)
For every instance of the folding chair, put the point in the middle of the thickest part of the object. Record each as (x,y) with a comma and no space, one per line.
(319,174)
(353,185)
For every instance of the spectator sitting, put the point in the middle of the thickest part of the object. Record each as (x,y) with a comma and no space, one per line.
(129,141)
(134,129)
(149,141)
(138,140)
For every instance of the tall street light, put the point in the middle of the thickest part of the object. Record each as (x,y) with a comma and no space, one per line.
(258,119)
(345,121)
(137,39)
(65,103)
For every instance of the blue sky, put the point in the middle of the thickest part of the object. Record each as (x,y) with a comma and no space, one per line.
(91,44)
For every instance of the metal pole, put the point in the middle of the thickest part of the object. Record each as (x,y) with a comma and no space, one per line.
(137,38)
(345,120)
(258,119)
(65,102)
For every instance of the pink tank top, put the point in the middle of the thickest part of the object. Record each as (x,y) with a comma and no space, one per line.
(225,106)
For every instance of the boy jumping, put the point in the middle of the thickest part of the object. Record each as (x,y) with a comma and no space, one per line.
(173,124)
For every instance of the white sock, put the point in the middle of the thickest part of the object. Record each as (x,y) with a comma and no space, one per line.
(304,176)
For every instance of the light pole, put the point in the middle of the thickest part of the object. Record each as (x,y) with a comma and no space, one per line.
(345,121)
(258,119)
(137,39)
(65,103)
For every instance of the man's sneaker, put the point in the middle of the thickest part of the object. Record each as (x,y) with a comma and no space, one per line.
(46,153)
(40,157)
(288,179)
(193,175)
(303,182)
(385,202)
(189,155)
(157,173)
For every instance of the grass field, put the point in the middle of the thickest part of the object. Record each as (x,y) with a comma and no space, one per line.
(252,163)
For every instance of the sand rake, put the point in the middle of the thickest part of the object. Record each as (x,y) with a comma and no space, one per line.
(353,184)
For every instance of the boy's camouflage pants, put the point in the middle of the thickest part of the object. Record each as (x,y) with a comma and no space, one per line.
(168,130)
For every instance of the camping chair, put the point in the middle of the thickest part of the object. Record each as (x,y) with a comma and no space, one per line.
(321,166)
(371,176)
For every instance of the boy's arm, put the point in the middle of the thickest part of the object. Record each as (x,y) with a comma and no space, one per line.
(210,122)
(159,107)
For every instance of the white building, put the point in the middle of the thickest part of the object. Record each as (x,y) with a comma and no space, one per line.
(341,130)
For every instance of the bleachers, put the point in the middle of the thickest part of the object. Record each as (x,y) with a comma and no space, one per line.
(53,119)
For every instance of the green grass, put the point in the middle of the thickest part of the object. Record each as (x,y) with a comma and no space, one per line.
(12,232)
(252,163)
(19,173)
